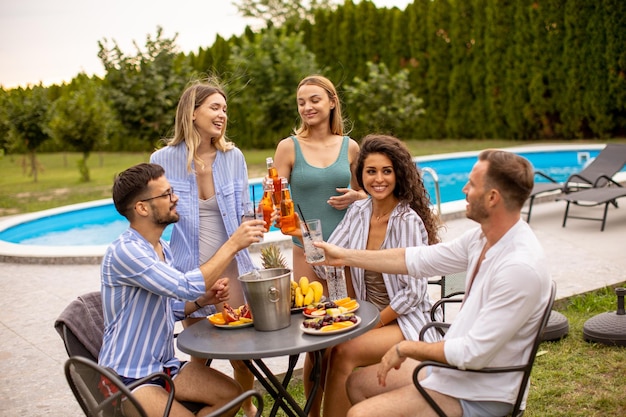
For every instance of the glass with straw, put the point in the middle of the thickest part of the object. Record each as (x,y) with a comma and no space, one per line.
(311,232)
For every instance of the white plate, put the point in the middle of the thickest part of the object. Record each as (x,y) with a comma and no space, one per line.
(226,326)
(309,330)
(352,310)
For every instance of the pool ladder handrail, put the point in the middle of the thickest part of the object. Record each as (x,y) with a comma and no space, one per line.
(433,174)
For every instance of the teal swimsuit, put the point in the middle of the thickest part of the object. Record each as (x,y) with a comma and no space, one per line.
(311,187)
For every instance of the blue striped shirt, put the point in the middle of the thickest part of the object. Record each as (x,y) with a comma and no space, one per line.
(408,296)
(142,298)
(230,180)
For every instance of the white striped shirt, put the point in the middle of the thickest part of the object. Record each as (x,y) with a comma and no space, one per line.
(408,295)
(142,298)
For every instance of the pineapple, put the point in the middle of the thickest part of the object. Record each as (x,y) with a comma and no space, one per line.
(271,257)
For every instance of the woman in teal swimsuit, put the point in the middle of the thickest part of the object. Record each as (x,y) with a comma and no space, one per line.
(319,162)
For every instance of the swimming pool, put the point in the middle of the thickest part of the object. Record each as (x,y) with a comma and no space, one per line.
(89,227)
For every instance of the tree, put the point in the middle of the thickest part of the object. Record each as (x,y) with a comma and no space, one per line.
(439,67)
(5,126)
(144,89)
(261,100)
(82,119)
(27,114)
(383,103)
(276,13)
(615,21)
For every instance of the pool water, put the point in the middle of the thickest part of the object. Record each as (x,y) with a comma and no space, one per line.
(101,224)
(453,173)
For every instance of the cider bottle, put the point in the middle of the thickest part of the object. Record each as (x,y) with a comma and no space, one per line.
(272,172)
(287,213)
(266,205)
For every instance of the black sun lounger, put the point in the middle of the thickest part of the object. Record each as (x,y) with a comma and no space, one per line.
(593,197)
(597,174)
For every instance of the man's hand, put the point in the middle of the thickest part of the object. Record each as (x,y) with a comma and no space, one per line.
(218,293)
(247,233)
(335,255)
(391,359)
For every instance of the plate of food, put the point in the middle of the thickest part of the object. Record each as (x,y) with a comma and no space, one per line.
(330,325)
(332,308)
(232,318)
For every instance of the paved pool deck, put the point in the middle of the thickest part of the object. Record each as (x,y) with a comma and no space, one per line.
(32,354)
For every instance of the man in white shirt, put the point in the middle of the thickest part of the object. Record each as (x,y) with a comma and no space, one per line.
(506,292)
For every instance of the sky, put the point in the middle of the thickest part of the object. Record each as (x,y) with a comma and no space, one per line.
(52,41)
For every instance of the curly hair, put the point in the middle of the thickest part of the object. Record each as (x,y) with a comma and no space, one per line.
(409,185)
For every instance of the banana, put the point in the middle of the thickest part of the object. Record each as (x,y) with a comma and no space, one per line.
(309,297)
(304,284)
(299,297)
(294,285)
(318,290)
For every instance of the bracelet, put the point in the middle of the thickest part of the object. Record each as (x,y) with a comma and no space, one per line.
(398,351)
(197,305)
(381,323)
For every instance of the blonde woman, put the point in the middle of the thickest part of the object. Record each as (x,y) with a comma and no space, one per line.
(210,178)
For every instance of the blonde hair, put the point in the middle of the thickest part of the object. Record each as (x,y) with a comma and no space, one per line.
(336,119)
(184,128)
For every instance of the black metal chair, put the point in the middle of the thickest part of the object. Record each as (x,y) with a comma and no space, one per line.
(84,377)
(452,291)
(525,369)
(81,326)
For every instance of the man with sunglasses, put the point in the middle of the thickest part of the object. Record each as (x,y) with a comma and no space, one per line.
(143,296)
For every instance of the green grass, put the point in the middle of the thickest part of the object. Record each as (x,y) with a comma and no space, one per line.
(571,377)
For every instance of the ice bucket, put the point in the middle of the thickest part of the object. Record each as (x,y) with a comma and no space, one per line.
(268,295)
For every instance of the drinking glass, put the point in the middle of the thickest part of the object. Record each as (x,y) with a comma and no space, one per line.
(336,281)
(252,212)
(312,232)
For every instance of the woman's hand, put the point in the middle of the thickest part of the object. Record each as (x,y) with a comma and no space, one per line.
(347,197)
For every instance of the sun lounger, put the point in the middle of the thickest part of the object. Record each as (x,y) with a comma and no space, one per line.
(593,197)
(597,174)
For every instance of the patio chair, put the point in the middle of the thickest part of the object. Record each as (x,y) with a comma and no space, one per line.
(594,197)
(81,326)
(597,174)
(524,369)
(84,377)
(452,291)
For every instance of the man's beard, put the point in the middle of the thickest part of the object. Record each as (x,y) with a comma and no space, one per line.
(171,217)
(476,211)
